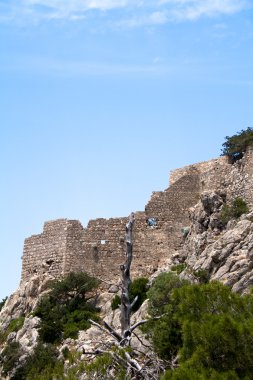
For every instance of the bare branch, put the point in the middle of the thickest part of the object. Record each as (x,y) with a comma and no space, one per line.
(141,341)
(137,324)
(133,362)
(113,332)
(134,302)
(101,328)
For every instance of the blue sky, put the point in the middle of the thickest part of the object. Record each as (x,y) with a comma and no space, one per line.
(100,99)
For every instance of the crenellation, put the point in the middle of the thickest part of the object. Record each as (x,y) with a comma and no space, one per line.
(65,246)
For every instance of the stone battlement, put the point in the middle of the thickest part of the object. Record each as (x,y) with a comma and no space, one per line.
(65,246)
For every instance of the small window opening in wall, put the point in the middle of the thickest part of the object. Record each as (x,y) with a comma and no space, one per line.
(152,222)
(49,262)
(103,242)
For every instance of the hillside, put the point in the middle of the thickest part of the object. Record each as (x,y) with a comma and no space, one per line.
(201,228)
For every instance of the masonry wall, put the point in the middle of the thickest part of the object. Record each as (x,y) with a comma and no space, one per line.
(99,248)
(211,172)
(46,252)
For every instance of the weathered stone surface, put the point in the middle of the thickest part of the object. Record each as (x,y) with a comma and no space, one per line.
(195,198)
(226,254)
(28,335)
(113,289)
(66,246)
(24,299)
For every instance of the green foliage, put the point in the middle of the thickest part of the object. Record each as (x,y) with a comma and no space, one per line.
(208,326)
(165,334)
(67,308)
(98,368)
(226,214)
(106,367)
(42,365)
(14,325)
(9,357)
(139,288)
(202,275)
(74,286)
(115,302)
(238,207)
(160,293)
(178,268)
(3,302)
(187,372)
(236,145)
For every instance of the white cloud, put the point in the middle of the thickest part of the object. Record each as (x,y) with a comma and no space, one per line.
(154,18)
(140,12)
(78,4)
(63,68)
(192,10)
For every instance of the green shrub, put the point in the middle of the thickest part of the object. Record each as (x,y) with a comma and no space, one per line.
(209,327)
(160,292)
(105,367)
(138,288)
(226,214)
(41,365)
(10,357)
(202,275)
(99,367)
(178,268)
(67,308)
(115,302)
(236,145)
(74,286)
(14,325)
(238,208)
(3,302)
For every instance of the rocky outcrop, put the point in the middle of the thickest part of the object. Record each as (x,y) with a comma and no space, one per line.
(225,253)
(24,299)
(93,338)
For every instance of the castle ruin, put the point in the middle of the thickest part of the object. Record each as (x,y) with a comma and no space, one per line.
(65,246)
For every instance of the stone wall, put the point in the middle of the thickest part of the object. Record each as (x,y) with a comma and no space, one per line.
(47,251)
(211,171)
(66,246)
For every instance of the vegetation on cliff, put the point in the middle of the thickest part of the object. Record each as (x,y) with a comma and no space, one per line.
(199,332)
(2,303)
(138,287)
(206,331)
(236,145)
(238,208)
(68,307)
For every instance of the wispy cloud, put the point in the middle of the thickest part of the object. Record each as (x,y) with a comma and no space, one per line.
(140,12)
(63,68)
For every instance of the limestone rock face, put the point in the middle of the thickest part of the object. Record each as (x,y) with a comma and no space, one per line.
(226,254)
(93,338)
(28,335)
(24,299)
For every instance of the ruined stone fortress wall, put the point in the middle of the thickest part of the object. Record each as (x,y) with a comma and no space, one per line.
(65,246)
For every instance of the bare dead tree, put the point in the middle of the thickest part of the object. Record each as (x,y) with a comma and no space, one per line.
(149,367)
(126,306)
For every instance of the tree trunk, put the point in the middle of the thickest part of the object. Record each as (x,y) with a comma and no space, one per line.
(126,281)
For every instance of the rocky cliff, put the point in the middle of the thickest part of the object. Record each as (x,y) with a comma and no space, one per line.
(188,230)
